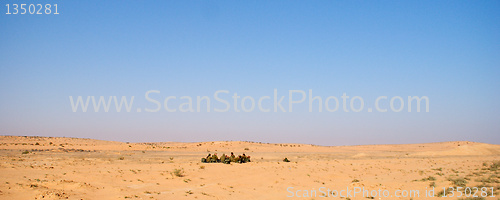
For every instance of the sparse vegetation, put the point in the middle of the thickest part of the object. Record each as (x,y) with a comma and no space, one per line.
(432,184)
(458,182)
(430,178)
(71,171)
(489,192)
(203,193)
(473,198)
(438,169)
(442,193)
(178,172)
(494,166)
(491,179)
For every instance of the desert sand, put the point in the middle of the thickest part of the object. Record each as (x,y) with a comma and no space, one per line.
(73,168)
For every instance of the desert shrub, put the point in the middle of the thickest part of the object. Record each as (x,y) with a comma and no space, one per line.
(178,172)
(442,192)
(473,198)
(458,182)
(438,169)
(495,165)
(491,179)
(26,152)
(430,178)
(432,184)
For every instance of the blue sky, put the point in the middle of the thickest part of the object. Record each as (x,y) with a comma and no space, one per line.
(446,50)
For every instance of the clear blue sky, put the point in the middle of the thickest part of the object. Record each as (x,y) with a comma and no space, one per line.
(446,50)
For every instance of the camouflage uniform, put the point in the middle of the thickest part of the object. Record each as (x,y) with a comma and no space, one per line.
(226,160)
(207,159)
(243,159)
(233,158)
(215,158)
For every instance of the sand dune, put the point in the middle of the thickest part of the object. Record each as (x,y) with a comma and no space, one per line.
(73,168)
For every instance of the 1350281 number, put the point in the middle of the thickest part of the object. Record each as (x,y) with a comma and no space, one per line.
(33,9)
(468,192)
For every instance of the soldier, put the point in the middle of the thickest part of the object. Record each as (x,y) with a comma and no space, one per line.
(207,159)
(245,158)
(215,158)
(226,160)
(233,158)
(286,160)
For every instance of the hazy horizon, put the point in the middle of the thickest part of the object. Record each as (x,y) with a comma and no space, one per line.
(236,141)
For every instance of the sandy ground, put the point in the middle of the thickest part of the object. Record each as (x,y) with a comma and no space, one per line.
(72,168)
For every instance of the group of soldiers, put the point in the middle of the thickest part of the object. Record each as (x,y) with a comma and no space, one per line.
(226,159)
